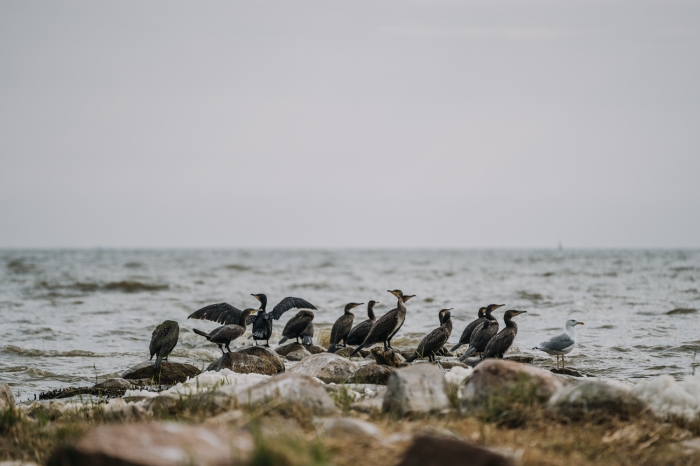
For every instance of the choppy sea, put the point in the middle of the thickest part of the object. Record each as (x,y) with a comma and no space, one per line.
(68,317)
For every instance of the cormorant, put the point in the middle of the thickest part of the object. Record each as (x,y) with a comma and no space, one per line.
(359,332)
(224,335)
(163,340)
(561,344)
(387,325)
(436,339)
(467,333)
(225,314)
(341,327)
(483,333)
(499,344)
(297,325)
(307,338)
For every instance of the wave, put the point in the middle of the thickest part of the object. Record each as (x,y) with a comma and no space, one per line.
(522,294)
(18,266)
(682,311)
(124,286)
(54,353)
(239,267)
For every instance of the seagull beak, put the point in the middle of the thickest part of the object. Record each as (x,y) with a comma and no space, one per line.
(579,323)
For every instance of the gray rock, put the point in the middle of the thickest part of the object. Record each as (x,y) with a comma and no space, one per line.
(440,451)
(387,358)
(521,358)
(500,377)
(447,365)
(266,354)
(213,366)
(416,389)
(156,444)
(285,349)
(346,350)
(348,426)
(114,384)
(169,372)
(7,399)
(609,399)
(326,366)
(298,355)
(371,373)
(246,364)
(287,389)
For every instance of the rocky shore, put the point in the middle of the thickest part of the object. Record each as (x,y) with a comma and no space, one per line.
(299,405)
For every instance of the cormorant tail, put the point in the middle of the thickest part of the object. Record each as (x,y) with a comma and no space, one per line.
(357,350)
(307,340)
(157,364)
(456,346)
(331,349)
(412,358)
(199,332)
(283,340)
(469,352)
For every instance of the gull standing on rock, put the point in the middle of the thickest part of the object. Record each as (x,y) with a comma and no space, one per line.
(561,344)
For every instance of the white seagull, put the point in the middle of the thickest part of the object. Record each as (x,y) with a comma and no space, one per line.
(561,344)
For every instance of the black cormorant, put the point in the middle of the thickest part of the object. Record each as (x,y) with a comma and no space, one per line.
(296,326)
(499,344)
(359,332)
(436,339)
(224,335)
(307,337)
(163,340)
(467,333)
(387,325)
(483,333)
(341,327)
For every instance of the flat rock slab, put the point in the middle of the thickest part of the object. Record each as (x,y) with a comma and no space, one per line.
(246,364)
(569,371)
(156,444)
(387,357)
(447,365)
(7,399)
(416,389)
(285,349)
(287,389)
(521,358)
(348,426)
(328,367)
(500,377)
(440,451)
(117,383)
(606,398)
(266,354)
(371,373)
(169,372)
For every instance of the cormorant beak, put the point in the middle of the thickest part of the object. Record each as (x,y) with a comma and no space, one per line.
(500,305)
(520,312)
(256,296)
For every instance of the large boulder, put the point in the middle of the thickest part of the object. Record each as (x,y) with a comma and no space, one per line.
(286,349)
(599,398)
(169,372)
(246,364)
(298,355)
(328,367)
(113,384)
(266,354)
(387,357)
(416,389)
(440,451)
(371,373)
(288,389)
(7,399)
(499,377)
(156,444)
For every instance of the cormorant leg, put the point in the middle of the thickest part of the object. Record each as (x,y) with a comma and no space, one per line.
(228,348)
(221,347)
(268,343)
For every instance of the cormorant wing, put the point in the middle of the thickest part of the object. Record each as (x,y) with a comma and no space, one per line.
(287,304)
(558,343)
(222,313)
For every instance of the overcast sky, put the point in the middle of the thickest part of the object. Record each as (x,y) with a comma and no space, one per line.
(350,124)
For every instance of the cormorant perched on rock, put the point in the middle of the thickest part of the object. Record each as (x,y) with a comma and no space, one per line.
(561,344)
(467,333)
(436,339)
(499,344)
(297,325)
(224,335)
(359,332)
(163,340)
(387,325)
(341,327)
(483,333)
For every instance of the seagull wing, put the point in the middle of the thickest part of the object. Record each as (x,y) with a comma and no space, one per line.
(558,343)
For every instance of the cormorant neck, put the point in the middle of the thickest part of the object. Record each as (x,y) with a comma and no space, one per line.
(509,322)
(370,312)
(448,325)
(263,301)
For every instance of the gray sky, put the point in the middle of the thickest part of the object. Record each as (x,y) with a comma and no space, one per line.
(350,124)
